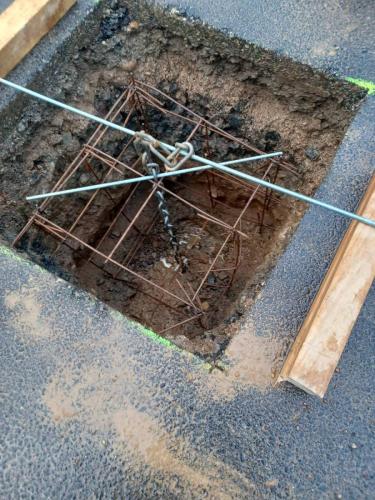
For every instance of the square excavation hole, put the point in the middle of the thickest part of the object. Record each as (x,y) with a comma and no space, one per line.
(177,81)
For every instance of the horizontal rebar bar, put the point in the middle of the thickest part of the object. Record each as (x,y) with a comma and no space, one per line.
(59,231)
(205,161)
(134,180)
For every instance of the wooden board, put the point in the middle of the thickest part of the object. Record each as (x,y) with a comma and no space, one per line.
(23,24)
(316,351)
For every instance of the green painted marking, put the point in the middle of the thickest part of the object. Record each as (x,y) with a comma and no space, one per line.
(166,343)
(145,331)
(11,254)
(364,84)
(8,252)
(155,337)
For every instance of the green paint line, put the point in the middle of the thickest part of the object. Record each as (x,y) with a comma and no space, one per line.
(156,338)
(8,252)
(146,331)
(11,254)
(170,345)
(364,84)
(167,343)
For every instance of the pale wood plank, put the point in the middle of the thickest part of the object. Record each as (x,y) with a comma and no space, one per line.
(23,24)
(317,349)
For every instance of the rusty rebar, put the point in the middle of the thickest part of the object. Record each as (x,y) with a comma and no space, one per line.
(138,99)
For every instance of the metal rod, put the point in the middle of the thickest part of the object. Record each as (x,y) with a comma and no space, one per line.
(54,228)
(132,223)
(211,126)
(124,182)
(205,161)
(79,159)
(107,159)
(233,228)
(180,324)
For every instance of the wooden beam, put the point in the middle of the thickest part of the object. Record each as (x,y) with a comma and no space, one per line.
(23,24)
(316,351)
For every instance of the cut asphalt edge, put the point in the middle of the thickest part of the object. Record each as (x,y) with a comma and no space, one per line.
(117,315)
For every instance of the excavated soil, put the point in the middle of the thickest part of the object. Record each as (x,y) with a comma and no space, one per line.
(271,103)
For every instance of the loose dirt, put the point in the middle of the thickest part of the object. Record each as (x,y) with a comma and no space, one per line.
(25,313)
(111,398)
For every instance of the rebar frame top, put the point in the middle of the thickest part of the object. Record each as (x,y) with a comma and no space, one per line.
(134,103)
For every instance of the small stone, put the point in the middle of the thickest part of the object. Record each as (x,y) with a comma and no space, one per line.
(84,178)
(312,125)
(133,26)
(353,446)
(312,153)
(34,178)
(67,138)
(67,84)
(211,280)
(248,75)
(55,139)
(128,66)
(50,165)
(71,143)
(36,118)
(271,483)
(57,121)
(21,127)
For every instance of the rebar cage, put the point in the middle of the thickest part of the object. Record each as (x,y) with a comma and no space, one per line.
(119,233)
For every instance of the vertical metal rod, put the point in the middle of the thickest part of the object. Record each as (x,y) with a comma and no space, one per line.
(129,227)
(233,228)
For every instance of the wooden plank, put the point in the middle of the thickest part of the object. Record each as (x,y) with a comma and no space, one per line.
(316,351)
(23,24)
